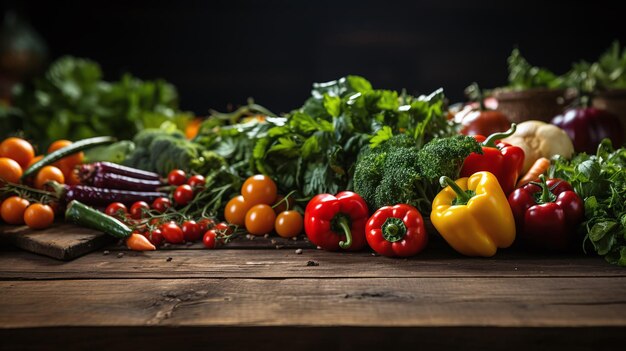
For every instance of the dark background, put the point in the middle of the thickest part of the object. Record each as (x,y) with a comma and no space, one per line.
(222,52)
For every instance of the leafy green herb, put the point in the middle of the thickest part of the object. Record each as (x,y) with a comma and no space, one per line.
(71,101)
(600,180)
(522,75)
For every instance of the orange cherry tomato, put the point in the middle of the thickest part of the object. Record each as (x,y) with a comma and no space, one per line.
(288,224)
(260,219)
(39,216)
(259,189)
(48,173)
(10,170)
(17,149)
(35,159)
(12,210)
(68,162)
(236,209)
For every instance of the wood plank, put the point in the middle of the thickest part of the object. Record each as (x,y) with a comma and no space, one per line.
(376,302)
(313,338)
(286,263)
(62,241)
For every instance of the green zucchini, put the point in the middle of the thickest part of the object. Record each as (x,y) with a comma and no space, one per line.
(86,216)
(66,151)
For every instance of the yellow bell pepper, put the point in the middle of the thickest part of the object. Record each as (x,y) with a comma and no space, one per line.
(473,215)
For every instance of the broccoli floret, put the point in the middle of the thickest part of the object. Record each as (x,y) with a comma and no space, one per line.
(445,156)
(398,172)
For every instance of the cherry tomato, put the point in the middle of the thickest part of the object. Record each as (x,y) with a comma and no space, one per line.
(183,194)
(12,210)
(259,189)
(67,162)
(191,231)
(282,207)
(156,237)
(260,219)
(172,233)
(209,239)
(10,170)
(206,224)
(288,224)
(48,173)
(116,209)
(138,209)
(196,181)
(17,149)
(236,209)
(176,177)
(224,228)
(161,204)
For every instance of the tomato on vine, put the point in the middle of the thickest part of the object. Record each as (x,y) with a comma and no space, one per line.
(161,204)
(196,181)
(209,239)
(12,210)
(116,209)
(138,209)
(176,177)
(183,194)
(172,233)
(236,209)
(191,231)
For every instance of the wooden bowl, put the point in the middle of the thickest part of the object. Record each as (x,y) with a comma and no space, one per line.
(531,104)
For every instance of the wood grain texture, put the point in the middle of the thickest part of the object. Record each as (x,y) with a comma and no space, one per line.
(62,241)
(286,263)
(380,302)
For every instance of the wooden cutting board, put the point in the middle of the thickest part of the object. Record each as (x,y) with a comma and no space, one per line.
(62,241)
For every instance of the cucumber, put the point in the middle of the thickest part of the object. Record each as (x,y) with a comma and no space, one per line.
(89,217)
(66,151)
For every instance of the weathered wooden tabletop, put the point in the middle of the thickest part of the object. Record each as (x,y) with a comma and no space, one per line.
(261,299)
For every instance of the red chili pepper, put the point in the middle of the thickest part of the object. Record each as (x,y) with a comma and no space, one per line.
(547,214)
(501,159)
(396,231)
(336,222)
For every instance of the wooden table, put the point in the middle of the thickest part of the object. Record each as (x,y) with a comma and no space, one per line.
(261,299)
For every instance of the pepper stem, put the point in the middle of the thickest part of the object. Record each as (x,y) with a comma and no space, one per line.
(393,229)
(546,195)
(345,226)
(491,140)
(462,196)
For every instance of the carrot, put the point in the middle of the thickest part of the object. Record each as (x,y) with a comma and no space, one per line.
(538,168)
(138,242)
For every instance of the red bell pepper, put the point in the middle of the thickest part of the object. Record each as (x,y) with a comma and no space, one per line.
(547,214)
(396,231)
(501,159)
(336,222)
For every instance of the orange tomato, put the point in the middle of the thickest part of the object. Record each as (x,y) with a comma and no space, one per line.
(69,161)
(10,170)
(48,173)
(39,216)
(12,210)
(17,149)
(35,159)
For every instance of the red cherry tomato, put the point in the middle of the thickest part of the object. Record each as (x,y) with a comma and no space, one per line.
(183,194)
(209,239)
(196,181)
(156,237)
(224,228)
(172,233)
(191,231)
(138,208)
(116,209)
(206,224)
(176,177)
(161,204)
